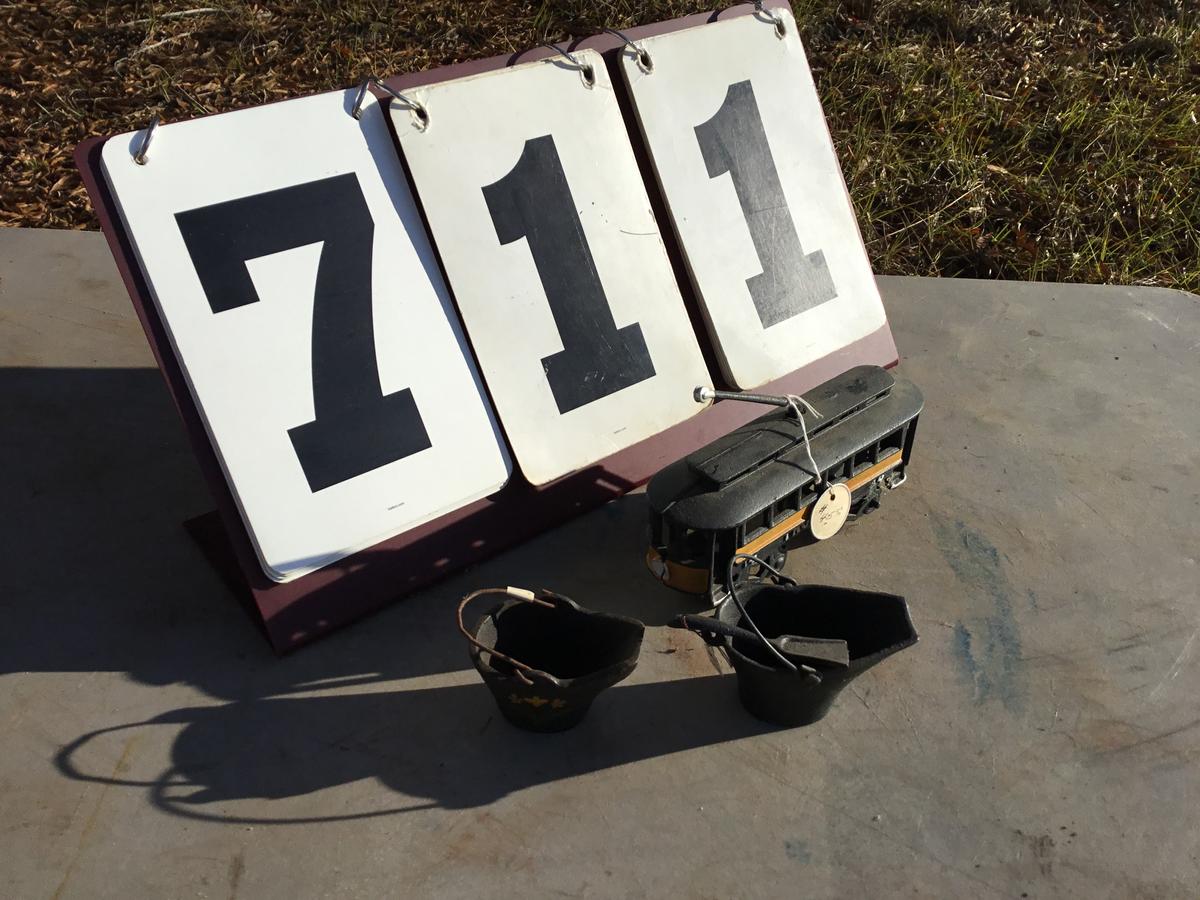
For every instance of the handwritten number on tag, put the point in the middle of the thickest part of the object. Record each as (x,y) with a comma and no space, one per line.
(734,141)
(357,427)
(533,201)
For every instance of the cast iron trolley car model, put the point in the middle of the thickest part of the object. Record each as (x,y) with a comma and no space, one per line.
(752,492)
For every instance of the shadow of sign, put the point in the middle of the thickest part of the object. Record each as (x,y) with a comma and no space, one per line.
(98,480)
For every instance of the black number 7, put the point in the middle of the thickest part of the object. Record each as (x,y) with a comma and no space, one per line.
(356,428)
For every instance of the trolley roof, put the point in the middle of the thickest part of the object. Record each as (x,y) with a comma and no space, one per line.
(735,477)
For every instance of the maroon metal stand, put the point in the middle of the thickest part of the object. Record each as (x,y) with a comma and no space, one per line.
(312,605)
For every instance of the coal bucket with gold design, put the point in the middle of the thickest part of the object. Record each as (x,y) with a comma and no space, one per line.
(546,658)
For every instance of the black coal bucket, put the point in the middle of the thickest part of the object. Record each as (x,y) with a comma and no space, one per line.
(873,625)
(546,658)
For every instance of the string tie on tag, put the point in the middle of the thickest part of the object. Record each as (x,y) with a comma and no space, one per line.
(795,401)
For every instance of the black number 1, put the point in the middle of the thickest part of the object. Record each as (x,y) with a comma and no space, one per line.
(357,427)
(734,141)
(534,201)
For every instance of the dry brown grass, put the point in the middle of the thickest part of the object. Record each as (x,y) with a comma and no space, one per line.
(1053,139)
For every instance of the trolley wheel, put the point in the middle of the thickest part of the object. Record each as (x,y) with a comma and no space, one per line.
(868,503)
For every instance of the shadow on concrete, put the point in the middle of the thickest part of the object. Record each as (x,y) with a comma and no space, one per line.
(101,577)
(98,480)
(447,744)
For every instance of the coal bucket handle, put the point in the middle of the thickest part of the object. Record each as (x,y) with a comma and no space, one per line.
(707,627)
(522,671)
(714,631)
(731,584)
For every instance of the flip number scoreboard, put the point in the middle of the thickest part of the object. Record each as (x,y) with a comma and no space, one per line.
(403,325)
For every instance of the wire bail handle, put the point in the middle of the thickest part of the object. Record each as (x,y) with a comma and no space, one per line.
(640,54)
(780,578)
(771,16)
(419,113)
(586,72)
(522,670)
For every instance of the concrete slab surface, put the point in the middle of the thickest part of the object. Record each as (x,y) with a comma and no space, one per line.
(1042,740)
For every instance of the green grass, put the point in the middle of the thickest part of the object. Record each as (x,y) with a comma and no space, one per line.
(1040,139)
(981,141)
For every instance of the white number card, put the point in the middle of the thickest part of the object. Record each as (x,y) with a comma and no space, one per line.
(741,151)
(544,226)
(288,262)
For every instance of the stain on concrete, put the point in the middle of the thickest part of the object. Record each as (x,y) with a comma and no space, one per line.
(698,657)
(797,850)
(987,644)
(94,285)
(1042,846)
(120,768)
(237,867)
(1043,851)
(962,652)
(1090,402)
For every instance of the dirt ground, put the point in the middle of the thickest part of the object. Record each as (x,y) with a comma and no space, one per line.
(1000,138)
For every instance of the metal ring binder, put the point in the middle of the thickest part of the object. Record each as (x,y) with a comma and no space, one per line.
(419,113)
(585,71)
(645,63)
(139,155)
(773,17)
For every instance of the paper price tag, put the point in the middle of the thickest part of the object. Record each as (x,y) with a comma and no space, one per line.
(829,512)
